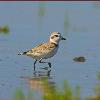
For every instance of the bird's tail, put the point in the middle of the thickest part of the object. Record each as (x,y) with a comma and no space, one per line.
(22,53)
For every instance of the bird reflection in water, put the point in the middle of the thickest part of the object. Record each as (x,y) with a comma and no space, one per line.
(42,82)
(43,73)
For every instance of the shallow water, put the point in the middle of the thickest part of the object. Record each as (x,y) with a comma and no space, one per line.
(29,25)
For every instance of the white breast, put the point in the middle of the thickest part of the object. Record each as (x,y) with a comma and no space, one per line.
(51,53)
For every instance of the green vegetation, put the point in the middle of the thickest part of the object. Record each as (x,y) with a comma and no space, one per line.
(55,94)
(77,93)
(41,11)
(19,95)
(4,29)
(79,59)
(66,22)
(52,92)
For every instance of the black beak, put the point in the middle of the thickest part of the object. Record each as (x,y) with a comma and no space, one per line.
(63,38)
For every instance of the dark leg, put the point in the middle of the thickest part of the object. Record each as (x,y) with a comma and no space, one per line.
(48,73)
(49,64)
(34,64)
(40,61)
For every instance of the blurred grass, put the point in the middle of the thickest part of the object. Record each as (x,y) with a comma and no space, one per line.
(66,22)
(77,93)
(41,14)
(41,11)
(56,94)
(53,93)
(4,30)
(18,95)
(96,89)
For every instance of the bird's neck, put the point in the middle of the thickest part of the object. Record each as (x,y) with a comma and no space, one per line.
(53,41)
(56,44)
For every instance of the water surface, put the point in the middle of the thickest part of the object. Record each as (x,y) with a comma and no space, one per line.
(31,23)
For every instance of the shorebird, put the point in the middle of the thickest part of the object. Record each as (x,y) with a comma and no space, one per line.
(45,50)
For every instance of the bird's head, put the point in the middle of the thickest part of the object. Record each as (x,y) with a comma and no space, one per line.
(56,37)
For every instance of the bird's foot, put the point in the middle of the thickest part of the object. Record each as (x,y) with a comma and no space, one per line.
(34,73)
(48,73)
(44,73)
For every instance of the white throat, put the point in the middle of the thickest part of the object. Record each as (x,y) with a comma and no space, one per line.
(56,42)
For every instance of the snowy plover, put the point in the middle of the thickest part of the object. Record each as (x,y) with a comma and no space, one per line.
(45,50)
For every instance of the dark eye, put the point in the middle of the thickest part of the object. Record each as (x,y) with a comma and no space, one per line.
(56,35)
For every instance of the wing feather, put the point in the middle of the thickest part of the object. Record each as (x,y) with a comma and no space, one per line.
(41,50)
